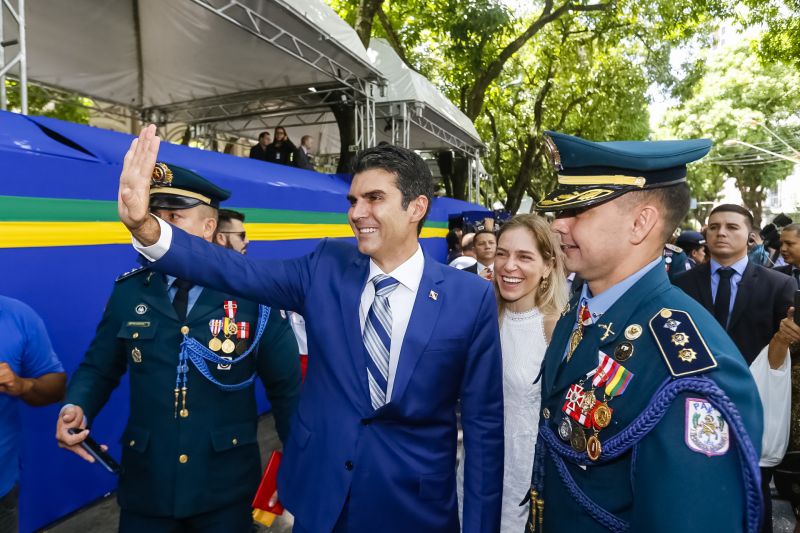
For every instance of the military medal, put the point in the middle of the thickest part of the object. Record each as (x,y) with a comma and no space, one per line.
(215,325)
(229,328)
(588,402)
(228,346)
(136,355)
(565,429)
(242,333)
(230,308)
(578,439)
(593,448)
(601,415)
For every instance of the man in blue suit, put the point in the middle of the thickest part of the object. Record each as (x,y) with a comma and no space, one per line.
(398,340)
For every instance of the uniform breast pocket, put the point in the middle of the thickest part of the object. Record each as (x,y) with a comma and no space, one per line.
(138,338)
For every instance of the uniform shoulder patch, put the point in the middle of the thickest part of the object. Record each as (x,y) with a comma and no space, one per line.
(676,249)
(683,348)
(130,273)
(706,431)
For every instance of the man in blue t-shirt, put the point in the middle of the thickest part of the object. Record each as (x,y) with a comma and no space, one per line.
(29,370)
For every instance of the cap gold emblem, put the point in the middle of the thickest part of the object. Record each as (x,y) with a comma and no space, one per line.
(162,176)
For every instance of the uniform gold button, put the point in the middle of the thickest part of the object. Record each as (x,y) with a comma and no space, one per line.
(132,443)
(235,441)
(185,330)
(135,335)
(183,458)
(546,413)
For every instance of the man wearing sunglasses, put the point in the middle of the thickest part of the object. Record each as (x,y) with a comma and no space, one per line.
(230,231)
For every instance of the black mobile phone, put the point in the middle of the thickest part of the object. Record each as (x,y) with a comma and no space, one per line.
(94,449)
(797,307)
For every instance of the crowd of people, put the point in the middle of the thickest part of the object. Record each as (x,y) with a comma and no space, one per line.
(605,377)
(282,150)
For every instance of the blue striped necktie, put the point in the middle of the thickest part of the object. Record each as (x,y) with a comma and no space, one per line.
(378,339)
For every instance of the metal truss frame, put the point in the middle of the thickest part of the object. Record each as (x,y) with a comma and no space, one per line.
(235,12)
(20,59)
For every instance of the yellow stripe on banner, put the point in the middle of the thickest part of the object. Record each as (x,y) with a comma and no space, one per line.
(44,234)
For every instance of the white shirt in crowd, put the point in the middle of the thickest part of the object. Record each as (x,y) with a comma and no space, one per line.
(463,261)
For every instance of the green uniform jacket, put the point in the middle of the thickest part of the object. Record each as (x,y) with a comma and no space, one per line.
(183,466)
(661,484)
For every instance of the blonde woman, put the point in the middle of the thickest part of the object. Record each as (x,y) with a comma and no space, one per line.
(531,293)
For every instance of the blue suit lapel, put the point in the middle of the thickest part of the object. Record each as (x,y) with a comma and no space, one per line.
(424,316)
(353,281)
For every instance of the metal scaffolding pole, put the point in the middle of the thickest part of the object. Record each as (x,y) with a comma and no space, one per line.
(19,59)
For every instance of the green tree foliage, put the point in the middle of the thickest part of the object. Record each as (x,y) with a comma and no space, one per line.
(738,98)
(40,102)
(781,40)
(579,66)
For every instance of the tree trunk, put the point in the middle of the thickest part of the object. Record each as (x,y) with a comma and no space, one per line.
(460,177)
(753,199)
(365,18)
(346,121)
(523,178)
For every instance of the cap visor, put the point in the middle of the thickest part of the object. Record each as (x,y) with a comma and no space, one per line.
(577,197)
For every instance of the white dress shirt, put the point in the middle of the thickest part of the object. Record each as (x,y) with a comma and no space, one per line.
(401,300)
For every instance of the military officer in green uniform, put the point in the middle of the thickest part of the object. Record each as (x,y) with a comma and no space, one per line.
(190,459)
(675,259)
(650,418)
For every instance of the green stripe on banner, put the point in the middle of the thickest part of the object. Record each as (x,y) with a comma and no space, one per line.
(29,209)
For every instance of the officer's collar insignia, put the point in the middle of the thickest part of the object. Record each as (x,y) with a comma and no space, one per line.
(706,430)
(129,273)
(676,249)
(551,151)
(683,348)
(162,176)
(433,295)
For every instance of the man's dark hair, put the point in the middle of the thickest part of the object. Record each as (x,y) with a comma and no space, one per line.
(733,208)
(484,232)
(262,135)
(795,227)
(226,215)
(674,199)
(412,175)
(453,241)
(303,139)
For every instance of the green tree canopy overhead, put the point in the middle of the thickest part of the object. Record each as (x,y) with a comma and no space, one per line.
(739,98)
(580,66)
(781,40)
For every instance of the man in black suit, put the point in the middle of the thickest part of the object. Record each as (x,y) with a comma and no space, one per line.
(748,300)
(304,157)
(485,248)
(259,151)
(790,251)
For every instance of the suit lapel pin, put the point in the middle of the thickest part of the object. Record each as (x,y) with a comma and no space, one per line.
(433,295)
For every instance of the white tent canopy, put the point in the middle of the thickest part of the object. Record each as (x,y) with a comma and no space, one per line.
(168,54)
(411,112)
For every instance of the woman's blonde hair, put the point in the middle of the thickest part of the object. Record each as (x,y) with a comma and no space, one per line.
(551,295)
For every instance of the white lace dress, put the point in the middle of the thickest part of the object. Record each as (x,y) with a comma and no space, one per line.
(523,344)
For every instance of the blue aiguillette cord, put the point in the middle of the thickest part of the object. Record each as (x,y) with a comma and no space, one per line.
(192,350)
